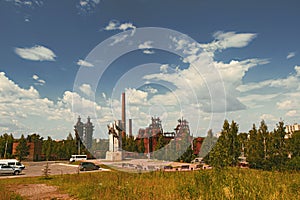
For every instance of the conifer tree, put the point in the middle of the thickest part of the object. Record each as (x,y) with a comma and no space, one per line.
(47,148)
(278,148)
(226,151)
(208,144)
(255,152)
(22,150)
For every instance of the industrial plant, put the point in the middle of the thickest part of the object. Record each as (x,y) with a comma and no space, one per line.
(151,141)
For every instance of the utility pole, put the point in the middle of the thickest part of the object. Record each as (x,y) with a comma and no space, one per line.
(5,148)
(78,147)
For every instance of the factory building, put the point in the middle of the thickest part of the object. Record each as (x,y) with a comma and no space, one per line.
(85,131)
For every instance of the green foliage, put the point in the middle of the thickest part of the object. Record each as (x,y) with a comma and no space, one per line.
(99,148)
(130,144)
(141,146)
(187,156)
(255,153)
(278,147)
(48,148)
(294,144)
(226,151)
(208,144)
(270,150)
(22,150)
(159,152)
(6,143)
(46,171)
(293,163)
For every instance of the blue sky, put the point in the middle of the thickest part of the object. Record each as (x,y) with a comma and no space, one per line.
(205,60)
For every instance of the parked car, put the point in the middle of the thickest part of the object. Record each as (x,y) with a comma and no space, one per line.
(7,169)
(87,166)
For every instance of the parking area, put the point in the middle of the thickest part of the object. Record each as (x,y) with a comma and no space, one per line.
(37,169)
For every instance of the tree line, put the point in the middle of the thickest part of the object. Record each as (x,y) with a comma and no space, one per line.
(49,148)
(263,149)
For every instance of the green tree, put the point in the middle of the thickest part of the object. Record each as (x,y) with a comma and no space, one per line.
(171,154)
(71,145)
(6,143)
(208,144)
(159,152)
(243,140)
(264,133)
(294,144)
(141,146)
(255,149)
(226,151)
(278,147)
(187,156)
(47,148)
(131,145)
(22,150)
(34,138)
(293,148)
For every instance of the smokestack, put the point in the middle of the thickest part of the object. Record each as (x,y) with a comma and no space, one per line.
(130,127)
(120,123)
(123,112)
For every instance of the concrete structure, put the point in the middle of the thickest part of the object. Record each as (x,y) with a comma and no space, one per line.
(292,128)
(114,152)
(85,131)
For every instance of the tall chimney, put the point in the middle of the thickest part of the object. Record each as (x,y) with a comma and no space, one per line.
(130,127)
(123,112)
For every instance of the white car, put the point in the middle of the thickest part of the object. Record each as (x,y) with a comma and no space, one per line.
(7,169)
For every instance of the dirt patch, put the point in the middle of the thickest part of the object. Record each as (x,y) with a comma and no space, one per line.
(39,192)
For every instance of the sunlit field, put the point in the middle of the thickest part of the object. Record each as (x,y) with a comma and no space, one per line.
(210,184)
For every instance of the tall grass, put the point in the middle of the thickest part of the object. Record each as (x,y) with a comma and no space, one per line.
(211,184)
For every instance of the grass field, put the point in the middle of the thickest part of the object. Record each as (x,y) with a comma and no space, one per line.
(210,184)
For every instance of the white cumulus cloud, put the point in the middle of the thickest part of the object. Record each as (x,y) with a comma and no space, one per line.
(84,63)
(38,80)
(146,47)
(116,25)
(225,40)
(86,89)
(36,53)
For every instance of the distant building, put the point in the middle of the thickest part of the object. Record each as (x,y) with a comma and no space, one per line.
(290,129)
(182,129)
(35,150)
(197,144)
(85,131)
(151,134)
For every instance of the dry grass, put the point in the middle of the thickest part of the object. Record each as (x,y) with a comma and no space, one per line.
(211,184)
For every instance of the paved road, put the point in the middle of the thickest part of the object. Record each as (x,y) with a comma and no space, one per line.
(36,169)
